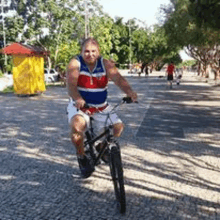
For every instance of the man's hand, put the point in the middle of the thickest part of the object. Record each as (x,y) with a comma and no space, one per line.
(80,103)
(133,96)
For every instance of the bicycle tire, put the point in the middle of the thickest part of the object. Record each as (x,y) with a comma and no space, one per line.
(117,177)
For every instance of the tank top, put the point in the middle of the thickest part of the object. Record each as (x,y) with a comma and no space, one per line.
(92,85)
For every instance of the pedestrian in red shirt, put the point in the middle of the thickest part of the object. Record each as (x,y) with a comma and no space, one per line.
(170,70)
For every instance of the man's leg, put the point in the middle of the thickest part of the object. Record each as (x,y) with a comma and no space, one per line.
(118,128)
(78,126)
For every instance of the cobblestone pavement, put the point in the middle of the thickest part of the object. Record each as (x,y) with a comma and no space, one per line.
(170,152)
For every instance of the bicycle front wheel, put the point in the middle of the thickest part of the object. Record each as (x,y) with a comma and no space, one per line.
(117,177)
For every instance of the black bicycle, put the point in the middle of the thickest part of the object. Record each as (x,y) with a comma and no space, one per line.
(110,146)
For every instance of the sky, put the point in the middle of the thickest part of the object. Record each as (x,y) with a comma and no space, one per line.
(144,10)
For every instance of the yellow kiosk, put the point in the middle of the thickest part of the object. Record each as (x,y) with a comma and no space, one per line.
(28,69)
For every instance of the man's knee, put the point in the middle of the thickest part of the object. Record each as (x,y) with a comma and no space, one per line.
(118,128)
(78,126)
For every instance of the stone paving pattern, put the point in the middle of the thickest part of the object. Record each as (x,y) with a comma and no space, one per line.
(170,151)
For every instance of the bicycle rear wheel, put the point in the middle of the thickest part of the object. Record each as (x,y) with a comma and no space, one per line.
(117,177)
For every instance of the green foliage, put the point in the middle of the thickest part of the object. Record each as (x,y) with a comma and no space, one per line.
(141,43)
(9,89)
(194,25)
(182,28)
(64,23)
(120,41)
(66,53)
(1,74)
(206,13)
(188,63)
(100,29)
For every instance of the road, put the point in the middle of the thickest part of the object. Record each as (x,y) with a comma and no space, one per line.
(170,151)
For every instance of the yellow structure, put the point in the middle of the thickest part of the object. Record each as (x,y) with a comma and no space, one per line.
(28,74)
(28,70)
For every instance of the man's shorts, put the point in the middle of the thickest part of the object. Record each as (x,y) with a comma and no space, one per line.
(169,77)
(99,121)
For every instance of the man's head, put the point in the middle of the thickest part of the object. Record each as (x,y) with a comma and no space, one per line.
(90,50)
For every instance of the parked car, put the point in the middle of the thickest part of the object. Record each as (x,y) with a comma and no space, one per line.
(50,75)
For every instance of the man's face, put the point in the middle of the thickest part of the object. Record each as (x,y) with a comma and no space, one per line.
(90,53)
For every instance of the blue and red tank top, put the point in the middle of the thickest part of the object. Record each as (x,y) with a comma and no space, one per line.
(92,85)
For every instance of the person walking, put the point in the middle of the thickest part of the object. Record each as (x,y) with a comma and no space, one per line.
(87,81)
(179,74)
(170,71)
(146,69)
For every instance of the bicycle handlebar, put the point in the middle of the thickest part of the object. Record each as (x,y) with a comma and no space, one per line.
(125,100)
(128,100)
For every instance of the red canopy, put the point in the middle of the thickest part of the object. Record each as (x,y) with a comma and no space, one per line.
(18,48)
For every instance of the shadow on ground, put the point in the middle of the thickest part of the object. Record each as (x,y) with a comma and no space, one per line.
(39,176)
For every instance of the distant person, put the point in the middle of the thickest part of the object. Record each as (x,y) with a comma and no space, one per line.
(170,71)
(146,69)
(143,66)
(179,73)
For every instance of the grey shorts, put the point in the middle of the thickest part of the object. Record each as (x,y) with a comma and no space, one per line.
(99,121)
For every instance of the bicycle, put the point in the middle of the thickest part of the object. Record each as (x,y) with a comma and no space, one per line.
(111,145)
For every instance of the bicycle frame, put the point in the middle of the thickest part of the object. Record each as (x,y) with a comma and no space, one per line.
(115,163)
(91,140)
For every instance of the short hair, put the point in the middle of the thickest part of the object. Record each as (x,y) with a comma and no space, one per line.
(90,40)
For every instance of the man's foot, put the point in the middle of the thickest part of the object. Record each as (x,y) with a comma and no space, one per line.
(86,166)
(106,156)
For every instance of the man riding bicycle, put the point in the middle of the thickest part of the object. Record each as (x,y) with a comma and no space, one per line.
(87,81)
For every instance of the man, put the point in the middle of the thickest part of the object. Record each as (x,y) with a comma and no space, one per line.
(87,80)
(170,71)
(146,69)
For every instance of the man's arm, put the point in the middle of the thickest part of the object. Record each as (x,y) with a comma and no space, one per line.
(72,79)
(119,80)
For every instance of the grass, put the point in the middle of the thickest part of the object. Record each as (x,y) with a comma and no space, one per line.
(9,89)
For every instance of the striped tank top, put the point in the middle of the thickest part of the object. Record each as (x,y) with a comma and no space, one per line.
(92,86)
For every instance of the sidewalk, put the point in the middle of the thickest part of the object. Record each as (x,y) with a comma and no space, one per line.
(5,81)
(170,153)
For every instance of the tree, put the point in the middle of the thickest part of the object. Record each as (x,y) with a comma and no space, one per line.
(182,29)
(162,51)
(206,13)
(120,41)
(49,23)
(101,30)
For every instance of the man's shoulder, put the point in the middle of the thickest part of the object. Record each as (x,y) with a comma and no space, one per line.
(108,63)
(74,62)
